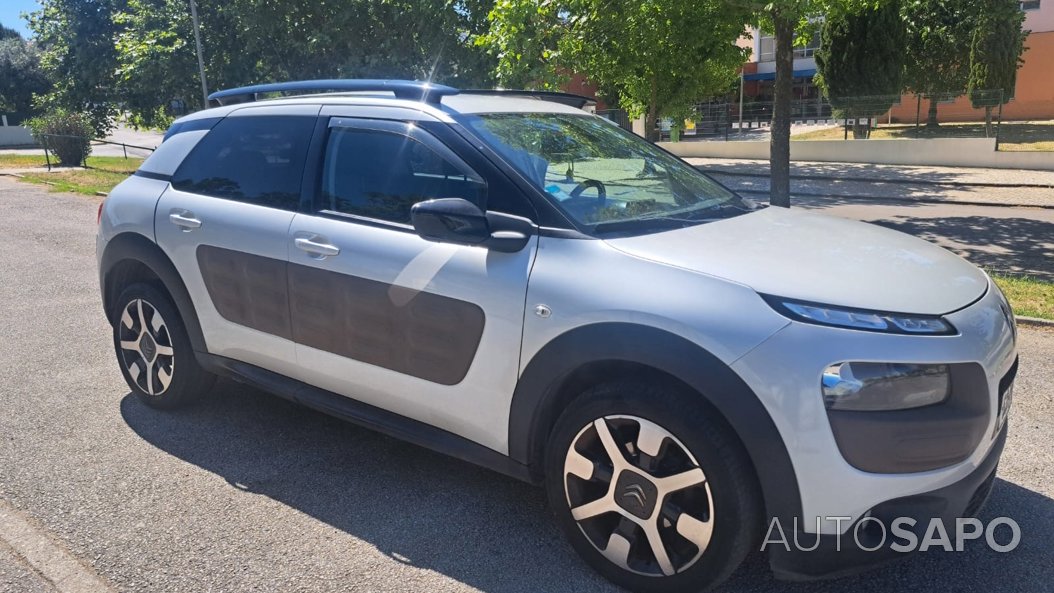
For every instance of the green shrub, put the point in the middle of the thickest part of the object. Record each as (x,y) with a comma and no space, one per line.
(67,134)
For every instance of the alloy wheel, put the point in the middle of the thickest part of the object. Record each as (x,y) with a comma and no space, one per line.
(638,495)
(146,347)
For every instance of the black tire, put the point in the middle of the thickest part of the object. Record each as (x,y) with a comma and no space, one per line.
(187,381)
(733,498)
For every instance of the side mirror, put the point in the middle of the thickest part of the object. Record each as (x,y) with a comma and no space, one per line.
(456,220)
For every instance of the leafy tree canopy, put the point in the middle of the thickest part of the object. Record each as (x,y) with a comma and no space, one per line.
(145,58)
(20,75)
(658,57)
(8,33)
(861,59)
(75,38)
(995,52)
(938,48)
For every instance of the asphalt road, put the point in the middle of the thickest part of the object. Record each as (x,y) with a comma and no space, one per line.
(250,493)
(1011,240)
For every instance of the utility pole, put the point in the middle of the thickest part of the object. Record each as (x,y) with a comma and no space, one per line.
(201,58)
(742,81)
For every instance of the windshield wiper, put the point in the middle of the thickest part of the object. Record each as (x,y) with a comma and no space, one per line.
(673,218)
(650,222)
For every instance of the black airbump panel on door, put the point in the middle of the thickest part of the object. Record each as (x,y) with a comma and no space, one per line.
(247,289)
(417,333)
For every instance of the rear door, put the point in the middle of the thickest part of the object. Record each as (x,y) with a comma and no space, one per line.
(224,224)
(427,330)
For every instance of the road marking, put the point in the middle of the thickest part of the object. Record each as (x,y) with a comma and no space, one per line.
(60,568)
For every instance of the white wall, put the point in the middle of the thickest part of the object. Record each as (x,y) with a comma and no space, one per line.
(15,136)
(944,152)
(1040,20)
(799,64)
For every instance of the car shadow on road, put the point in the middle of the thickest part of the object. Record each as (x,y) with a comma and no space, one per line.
(1019,246)
(478,527)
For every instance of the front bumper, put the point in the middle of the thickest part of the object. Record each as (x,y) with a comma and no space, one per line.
(842,554)
(785,372)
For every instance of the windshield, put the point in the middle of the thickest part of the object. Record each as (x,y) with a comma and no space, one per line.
(603,177)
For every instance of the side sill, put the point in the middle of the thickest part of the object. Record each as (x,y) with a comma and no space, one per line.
(365,415)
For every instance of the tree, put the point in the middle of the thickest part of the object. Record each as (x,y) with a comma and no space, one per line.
(784,16)
(20,75)
(78,55)
(156,60)
(938,50)
(139,54)
(861,61)
(995,55)
(659,57)
(8,33)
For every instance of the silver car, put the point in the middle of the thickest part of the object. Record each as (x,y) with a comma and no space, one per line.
(506,278)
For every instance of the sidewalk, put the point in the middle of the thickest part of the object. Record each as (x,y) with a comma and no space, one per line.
(995,187)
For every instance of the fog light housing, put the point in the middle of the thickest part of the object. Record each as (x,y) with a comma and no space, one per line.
(884,386)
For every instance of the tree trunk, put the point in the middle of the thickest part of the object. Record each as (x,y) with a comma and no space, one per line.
(650,125)
(651,117)
(931,118)
(988,121)
(779,147)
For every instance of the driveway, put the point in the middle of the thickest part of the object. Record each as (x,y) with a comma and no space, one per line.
(251,493)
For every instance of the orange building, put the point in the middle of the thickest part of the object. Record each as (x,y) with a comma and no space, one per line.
(1034,95)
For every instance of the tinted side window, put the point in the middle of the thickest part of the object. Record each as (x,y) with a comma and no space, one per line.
(255,159)
(383,174)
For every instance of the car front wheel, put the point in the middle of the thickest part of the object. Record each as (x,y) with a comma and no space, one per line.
(652,489)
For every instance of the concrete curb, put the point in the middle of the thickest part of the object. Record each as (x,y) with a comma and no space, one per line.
(59,567)
(1034,321)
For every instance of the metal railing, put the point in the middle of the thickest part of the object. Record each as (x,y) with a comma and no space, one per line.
(92,142)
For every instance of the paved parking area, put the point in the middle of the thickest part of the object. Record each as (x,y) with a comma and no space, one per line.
(906,184)
(251,493)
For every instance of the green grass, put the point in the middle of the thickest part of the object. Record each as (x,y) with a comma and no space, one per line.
(1013,136)
(105,163)
(1027,296)
(101,175)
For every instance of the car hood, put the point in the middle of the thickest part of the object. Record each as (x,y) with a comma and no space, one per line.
(824,259)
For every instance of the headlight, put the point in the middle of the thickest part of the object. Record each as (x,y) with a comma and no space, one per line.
(862,319)
(884,386)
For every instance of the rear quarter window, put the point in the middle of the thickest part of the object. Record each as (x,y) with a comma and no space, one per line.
(254,159)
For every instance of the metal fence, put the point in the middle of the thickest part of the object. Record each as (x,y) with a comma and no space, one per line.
(92,141)
(619,116)
(960,115)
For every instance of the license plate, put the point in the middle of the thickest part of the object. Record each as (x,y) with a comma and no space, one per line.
(1006,399)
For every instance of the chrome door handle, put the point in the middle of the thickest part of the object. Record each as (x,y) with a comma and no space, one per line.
(315,247)
(184,220)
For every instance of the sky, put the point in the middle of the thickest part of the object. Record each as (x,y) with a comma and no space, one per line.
(9,11)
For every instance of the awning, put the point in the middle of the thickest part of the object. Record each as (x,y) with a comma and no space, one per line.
(808,73)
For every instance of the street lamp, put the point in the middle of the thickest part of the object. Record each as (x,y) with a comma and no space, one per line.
(201,58)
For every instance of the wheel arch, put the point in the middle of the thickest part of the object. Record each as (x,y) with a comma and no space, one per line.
(581,357)
(130,257)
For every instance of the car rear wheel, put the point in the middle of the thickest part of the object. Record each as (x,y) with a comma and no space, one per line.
(651,489)
(154,351)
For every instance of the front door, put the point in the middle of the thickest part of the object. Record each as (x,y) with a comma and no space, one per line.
(427,330)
